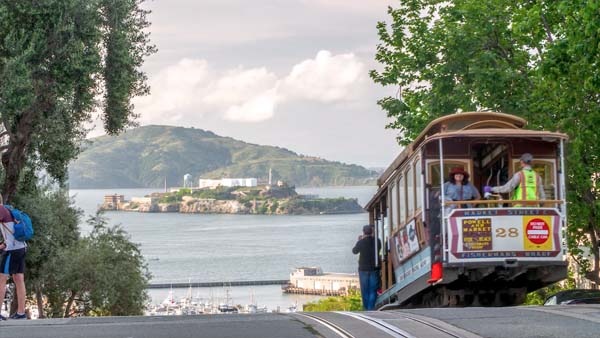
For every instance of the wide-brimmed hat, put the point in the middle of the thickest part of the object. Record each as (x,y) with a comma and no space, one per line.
(459,170)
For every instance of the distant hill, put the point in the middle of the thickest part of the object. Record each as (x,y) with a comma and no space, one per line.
(145,156)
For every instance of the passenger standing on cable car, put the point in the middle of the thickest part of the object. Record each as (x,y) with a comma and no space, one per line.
(458,188)
(368,267)
(526,183)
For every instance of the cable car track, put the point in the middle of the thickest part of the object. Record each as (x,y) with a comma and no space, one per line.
(420,327)
(328,324)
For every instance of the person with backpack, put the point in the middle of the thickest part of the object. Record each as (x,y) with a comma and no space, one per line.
(12,262)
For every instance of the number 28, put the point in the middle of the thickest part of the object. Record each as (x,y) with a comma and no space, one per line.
(504,232)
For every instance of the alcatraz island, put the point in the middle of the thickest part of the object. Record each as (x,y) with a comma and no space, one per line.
(234,196)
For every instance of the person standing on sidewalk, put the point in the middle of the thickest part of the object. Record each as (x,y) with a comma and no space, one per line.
(368,266)
(12,262)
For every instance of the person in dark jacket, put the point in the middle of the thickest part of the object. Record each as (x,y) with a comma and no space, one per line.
(368,266)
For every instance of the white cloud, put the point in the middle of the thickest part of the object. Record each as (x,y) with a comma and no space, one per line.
(258,108)
(325,78)
(239,85)
(173,91)
(361,6)
(190,89)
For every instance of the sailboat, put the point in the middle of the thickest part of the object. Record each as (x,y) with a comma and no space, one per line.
(227,307)
(253,307)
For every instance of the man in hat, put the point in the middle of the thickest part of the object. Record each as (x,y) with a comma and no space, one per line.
(525,184)
(458,188)
(369,265)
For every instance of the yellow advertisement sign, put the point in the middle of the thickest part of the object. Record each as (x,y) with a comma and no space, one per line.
(537,233)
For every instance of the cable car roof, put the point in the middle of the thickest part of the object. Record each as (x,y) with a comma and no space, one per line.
(468,125)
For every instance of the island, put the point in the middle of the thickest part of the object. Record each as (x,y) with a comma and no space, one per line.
(278,199)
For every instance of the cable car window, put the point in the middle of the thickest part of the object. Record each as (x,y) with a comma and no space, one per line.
(402,201)
(410,192)
(434,170)
(394,206)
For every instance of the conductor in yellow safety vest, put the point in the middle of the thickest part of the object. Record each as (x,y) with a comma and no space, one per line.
(525,184)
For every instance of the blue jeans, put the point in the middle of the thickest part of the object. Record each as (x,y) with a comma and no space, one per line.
(369,281)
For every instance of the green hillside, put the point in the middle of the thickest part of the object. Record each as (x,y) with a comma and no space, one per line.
(145,156)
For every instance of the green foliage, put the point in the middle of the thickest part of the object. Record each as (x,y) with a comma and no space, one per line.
(351,302)
(103,274)
(274,207)
(537,60)
(323,205)
(149,154)
(262,209)
(219,193)
(539,296)
(55,223)
(55,58)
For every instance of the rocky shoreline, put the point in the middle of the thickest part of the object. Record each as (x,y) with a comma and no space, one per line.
(294,205)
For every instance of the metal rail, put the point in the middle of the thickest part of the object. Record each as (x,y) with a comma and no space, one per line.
(399,333)
(380,324)
(328,324)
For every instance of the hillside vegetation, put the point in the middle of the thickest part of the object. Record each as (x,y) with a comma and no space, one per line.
(145,156)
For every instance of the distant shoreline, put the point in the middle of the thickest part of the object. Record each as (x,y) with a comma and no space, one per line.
(259,200)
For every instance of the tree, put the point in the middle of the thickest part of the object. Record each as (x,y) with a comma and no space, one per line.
(103,274)
(535,59)
(56,58)
(56,228)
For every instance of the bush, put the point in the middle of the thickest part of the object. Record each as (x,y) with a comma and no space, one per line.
(351,302)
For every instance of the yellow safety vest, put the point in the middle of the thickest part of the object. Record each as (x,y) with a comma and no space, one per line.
(528,186)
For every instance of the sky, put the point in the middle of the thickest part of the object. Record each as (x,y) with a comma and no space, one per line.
(288,73)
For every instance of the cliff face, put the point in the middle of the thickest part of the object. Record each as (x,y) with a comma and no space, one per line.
(289,206)
(210,206)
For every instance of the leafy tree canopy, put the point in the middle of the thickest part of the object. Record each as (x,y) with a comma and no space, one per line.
(61,60)
(103,274)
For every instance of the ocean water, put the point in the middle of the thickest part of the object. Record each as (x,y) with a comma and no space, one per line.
(181,248)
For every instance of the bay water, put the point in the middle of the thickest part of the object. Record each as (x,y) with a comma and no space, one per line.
(183,248)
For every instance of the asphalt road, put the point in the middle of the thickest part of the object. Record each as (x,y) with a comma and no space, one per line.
(572,321)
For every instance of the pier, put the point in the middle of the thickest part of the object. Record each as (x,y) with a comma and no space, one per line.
(217,284)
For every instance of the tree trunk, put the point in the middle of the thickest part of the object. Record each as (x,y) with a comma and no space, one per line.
(14,304)
(69,304)
(594,274)
(40,302)
(13,160)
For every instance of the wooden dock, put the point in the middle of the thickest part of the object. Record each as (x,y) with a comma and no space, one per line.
(319,292)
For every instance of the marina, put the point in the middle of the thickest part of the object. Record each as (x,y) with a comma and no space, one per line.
(224,300)
(217,248)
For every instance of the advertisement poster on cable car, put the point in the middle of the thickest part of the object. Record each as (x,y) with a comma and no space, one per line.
(479,235)
(405,243)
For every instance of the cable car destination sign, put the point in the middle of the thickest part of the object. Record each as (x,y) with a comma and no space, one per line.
(496,234)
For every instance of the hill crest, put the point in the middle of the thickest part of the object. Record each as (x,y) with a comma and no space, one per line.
(143,157)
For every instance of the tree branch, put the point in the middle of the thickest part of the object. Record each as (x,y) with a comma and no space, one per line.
(546,28)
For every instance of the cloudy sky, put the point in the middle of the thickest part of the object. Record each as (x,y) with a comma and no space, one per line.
(290,73)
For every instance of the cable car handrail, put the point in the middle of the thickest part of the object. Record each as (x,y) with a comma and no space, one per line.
(532,202)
